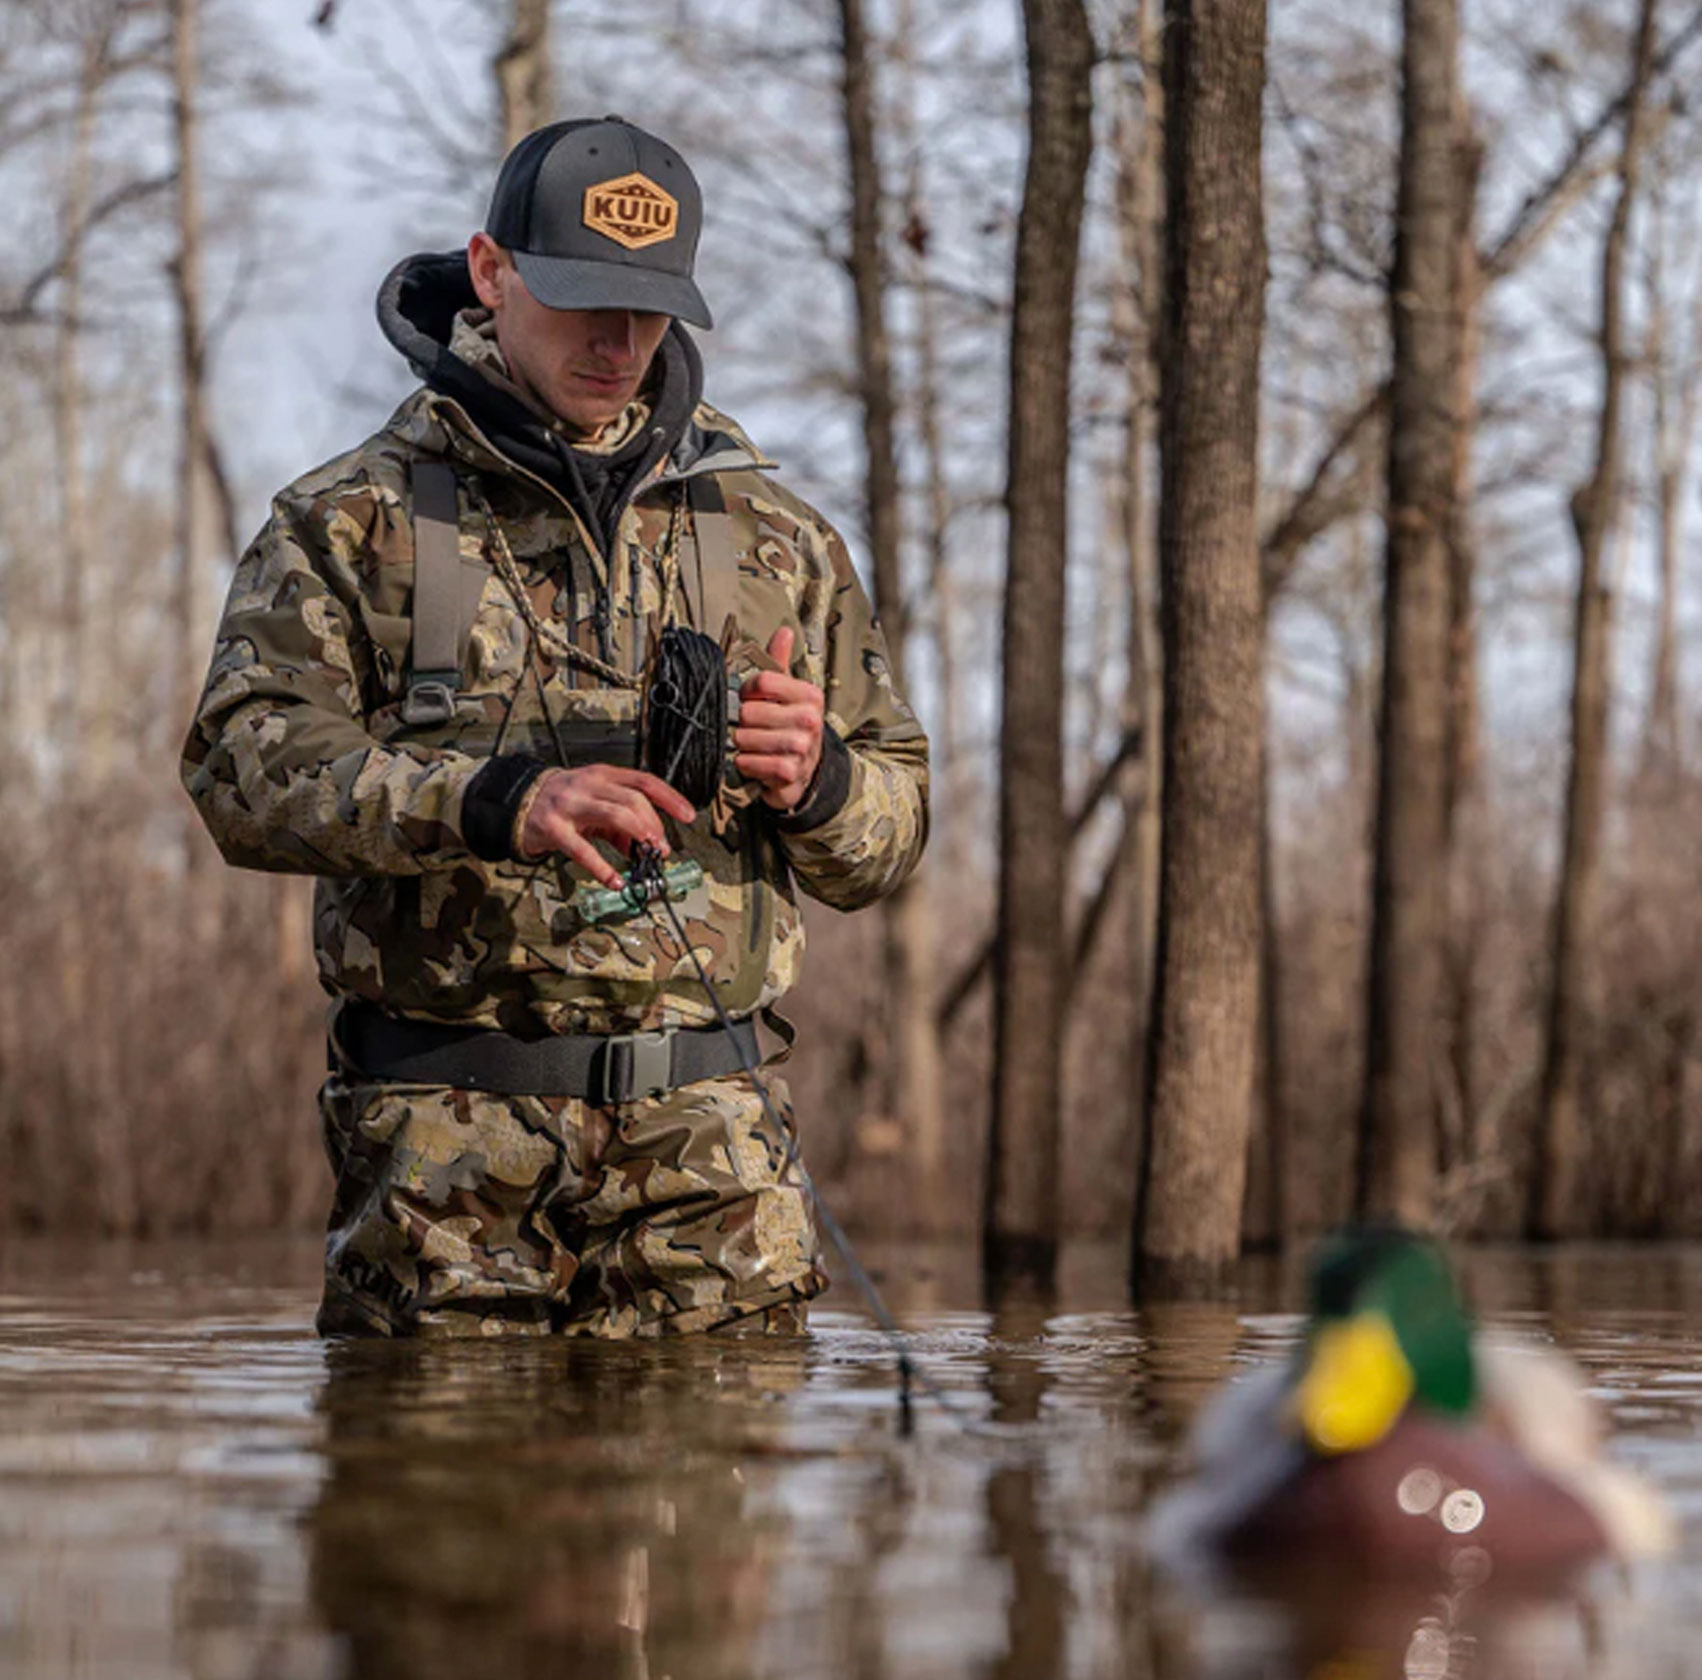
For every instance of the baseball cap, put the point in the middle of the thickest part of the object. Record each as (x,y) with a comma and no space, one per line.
(600,215)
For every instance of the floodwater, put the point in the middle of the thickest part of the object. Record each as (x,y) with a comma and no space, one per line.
(192,1485)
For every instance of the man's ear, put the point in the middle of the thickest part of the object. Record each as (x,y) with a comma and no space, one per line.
(486,261)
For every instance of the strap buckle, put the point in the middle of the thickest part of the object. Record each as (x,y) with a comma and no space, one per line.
(633,1066)
(431,697)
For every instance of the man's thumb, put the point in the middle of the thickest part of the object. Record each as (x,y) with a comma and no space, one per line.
(780,648)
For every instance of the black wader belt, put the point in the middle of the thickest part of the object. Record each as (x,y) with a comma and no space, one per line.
(625,1067)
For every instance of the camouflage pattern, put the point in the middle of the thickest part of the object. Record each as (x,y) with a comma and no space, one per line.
(459,1213)
(299,758)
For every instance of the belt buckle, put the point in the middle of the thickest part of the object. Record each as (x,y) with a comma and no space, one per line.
(636,1066)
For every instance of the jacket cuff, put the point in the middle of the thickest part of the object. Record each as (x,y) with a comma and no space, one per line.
(828,791)
(492,802)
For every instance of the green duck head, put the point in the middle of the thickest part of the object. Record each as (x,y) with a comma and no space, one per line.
(1387,1330)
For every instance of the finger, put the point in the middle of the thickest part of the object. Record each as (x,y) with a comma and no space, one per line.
(657,792)
(644,821)
(780,647)
(771,714)
(775,685)
(771,769)
(777,743)
(625,821)
(592,861)
(571,836)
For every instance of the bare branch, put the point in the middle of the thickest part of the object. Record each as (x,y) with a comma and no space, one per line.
(970,975)
(1533,213)
(23,307)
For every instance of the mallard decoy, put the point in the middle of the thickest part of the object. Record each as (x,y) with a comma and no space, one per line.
(1397,1441)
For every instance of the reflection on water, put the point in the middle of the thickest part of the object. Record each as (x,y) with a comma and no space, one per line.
(191,1485)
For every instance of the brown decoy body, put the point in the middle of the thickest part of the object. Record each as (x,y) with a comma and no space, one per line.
(1398,1442)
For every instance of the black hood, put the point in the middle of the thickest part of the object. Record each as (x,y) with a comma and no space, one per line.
(417,306)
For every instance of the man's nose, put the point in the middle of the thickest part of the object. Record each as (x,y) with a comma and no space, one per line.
(613,334)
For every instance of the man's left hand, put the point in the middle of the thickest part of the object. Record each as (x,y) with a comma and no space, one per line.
(779,733)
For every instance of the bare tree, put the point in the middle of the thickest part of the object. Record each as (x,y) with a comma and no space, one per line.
(1574,998)
(1113,948)
(940,592)
(1462,813)
(911,1072)
(1673,359)
(68,396)
(1140,226)
(194,547)
(525,80)
(1200,1080)
(1397,1142)
(1020,1229)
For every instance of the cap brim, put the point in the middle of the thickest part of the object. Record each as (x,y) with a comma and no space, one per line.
(574,283)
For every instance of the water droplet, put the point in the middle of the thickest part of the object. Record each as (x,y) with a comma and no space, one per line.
(1462,1510)
(1420,1488)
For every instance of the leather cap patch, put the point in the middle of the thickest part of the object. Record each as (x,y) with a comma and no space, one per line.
(633,211)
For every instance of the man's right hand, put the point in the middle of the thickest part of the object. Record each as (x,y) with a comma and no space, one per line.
(567,809)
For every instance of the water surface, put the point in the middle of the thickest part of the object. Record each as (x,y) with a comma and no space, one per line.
(192,1485)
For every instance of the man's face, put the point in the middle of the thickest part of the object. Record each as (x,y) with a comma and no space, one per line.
(584,365)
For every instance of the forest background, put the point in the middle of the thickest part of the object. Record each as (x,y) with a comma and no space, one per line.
(1454,971)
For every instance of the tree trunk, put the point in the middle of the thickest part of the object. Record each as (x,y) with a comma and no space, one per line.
(947,755)
(1397,1160)
(910,1079)
(1462,791)
(1141,206)
(1660,728)
(1675,375)
(1265,1212)
(73,543)
(524,78)
(1201,1063)
(73,535)
(193,454)
(1020,1229)
(1122,908)
(1554,1207)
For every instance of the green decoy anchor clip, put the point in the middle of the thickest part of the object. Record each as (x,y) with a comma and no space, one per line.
(635,895)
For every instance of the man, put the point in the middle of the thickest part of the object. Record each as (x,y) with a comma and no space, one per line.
(427,691)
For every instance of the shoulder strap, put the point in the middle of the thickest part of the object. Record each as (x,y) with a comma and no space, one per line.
(711,574)
(445,601)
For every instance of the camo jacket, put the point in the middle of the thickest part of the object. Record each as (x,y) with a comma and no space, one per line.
(299,758)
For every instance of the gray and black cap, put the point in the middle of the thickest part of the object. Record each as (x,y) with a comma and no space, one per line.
(601,215)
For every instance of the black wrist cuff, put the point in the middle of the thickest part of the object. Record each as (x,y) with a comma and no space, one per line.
(827,793)
(492,801)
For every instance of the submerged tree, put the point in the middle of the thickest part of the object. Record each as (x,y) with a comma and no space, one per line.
(1574,997)
(1020,1230)
(911,1065)
(1397,1142)
(193,499)
(1200,1079)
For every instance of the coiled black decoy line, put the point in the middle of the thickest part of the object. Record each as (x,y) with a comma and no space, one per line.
(686,706)
(647,866)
